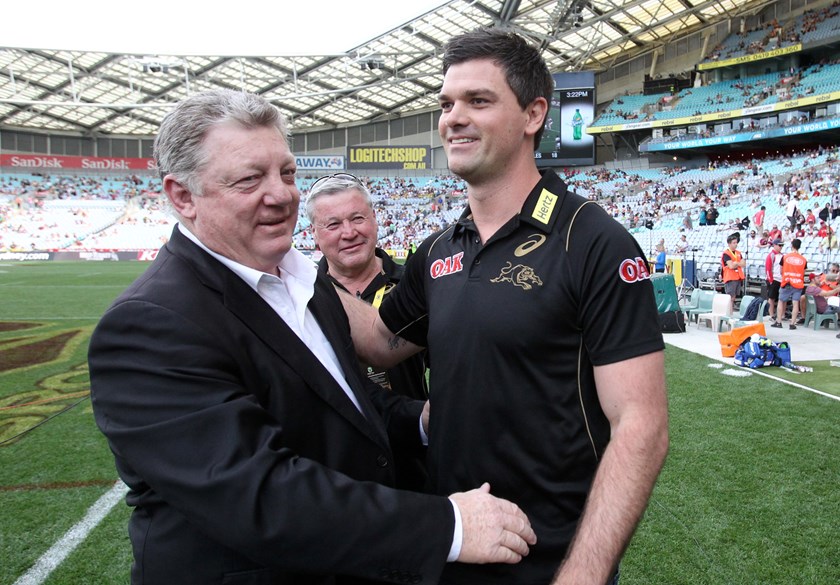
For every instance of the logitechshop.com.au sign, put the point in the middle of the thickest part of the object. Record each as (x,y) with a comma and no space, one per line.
(389,157)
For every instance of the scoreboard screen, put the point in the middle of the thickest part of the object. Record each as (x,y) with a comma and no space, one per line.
(565,141)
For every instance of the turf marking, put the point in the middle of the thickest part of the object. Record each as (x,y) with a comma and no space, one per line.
(716,365)
(51,559)
(795,385)
(736,373)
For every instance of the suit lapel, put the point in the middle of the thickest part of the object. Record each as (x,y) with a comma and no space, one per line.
(244,303)
(329,322)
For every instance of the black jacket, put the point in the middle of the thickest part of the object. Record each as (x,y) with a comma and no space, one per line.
(246,461)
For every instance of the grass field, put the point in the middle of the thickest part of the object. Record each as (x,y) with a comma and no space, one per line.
(749,494)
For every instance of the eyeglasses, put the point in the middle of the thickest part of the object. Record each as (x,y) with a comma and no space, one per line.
(342,176)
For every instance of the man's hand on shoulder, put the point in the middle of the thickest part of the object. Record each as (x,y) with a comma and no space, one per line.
(494,530)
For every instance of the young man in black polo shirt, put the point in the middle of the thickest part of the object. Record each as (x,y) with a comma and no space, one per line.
(547,363)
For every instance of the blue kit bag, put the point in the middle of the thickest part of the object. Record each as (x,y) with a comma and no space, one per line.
(758,352)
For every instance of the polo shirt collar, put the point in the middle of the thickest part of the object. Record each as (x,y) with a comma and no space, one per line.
(380,280)
(544,202)
(540,209)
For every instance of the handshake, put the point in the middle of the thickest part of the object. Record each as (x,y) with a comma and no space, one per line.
(494,530)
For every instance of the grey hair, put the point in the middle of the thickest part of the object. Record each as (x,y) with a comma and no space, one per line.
(178,147)
(333,186)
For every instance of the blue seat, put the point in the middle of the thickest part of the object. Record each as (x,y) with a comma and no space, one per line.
(692,301)
(704,304)
(818,318)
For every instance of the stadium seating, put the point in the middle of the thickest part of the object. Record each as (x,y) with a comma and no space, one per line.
(77,213)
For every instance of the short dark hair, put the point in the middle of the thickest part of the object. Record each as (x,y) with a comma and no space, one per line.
(795,243)
(525,70)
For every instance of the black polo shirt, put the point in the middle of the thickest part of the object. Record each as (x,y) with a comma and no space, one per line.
(513,329)
(409,377)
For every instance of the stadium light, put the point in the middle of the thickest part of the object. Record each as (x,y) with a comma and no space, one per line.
(157,64)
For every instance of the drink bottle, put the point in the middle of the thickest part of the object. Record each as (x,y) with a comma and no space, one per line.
(577,125)
(794,368)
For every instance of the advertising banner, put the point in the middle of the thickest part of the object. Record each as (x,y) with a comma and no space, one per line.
(80,255)
(320,163)
(25,256)
(565,139)
(41,162)
(389,157)
(750,58)
(816,126)
(717,116)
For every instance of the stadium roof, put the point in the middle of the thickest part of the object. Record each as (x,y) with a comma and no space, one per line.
(394,74)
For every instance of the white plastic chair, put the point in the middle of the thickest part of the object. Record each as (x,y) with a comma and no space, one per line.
(720,313)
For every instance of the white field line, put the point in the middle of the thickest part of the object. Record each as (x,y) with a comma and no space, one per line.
(717,364)
(747,371)
(51,559)
(795,385)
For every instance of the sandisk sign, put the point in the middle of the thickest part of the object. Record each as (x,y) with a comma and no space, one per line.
(95,163)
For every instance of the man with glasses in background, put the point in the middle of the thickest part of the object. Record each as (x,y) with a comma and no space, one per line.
(344,225)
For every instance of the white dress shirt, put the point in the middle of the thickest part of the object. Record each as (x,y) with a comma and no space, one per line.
(289,296)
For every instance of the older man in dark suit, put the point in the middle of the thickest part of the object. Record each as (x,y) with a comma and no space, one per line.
(225,381)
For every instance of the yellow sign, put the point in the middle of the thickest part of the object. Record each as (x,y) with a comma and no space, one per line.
(717,116)
(751,58)
(545,206)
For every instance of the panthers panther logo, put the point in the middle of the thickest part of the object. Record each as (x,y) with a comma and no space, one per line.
(519,275)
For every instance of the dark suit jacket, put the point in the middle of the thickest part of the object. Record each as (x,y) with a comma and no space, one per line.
(407,377)
(247,463)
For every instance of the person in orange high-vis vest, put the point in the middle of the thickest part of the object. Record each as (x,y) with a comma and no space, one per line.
(793,283)
(733,268)
(828,281)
